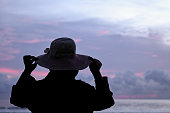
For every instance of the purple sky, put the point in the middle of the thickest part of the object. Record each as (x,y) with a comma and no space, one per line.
(126,35)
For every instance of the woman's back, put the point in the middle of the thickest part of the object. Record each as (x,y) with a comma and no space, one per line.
(71,96)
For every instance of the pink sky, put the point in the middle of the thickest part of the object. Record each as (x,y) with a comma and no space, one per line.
(16,72)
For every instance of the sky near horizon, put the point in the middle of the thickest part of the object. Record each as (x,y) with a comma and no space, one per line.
(126,35)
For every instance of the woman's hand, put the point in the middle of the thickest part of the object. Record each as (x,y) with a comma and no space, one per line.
(29,62)
(95,66)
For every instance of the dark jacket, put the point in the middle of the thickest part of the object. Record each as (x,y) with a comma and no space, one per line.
(51,95)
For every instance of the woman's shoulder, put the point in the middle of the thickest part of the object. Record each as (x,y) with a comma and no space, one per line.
(84,85)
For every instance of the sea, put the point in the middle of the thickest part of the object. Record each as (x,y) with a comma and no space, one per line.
(121,106)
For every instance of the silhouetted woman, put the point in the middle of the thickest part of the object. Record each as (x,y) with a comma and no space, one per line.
(59,92)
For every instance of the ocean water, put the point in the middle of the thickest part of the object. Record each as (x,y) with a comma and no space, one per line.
(121,106)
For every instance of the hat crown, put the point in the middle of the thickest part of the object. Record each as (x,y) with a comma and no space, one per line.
(62,56)
(62,47)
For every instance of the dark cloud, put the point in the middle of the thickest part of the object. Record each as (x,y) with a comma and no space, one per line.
(5,89)
(152,83)
(158,76)
(5,84)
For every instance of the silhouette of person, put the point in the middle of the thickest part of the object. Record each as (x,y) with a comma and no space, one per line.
(59,91)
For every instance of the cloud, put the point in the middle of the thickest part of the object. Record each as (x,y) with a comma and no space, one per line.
(153,84)
(27,20)
(140,74)
(39,73)
(158,76)
(77,40)
(140,13)
(9,77)
(5,84)
(9,71)
(6,57)
(149,84)
(8,53)
(9,31)
(151,54)
(7,36)
(103,32)
(117,49)
(33,41)
(3,3)
(6,87)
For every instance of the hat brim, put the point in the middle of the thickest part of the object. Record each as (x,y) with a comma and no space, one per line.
(77,62)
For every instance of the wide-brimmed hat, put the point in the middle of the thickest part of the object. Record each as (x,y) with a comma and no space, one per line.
(62,56)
